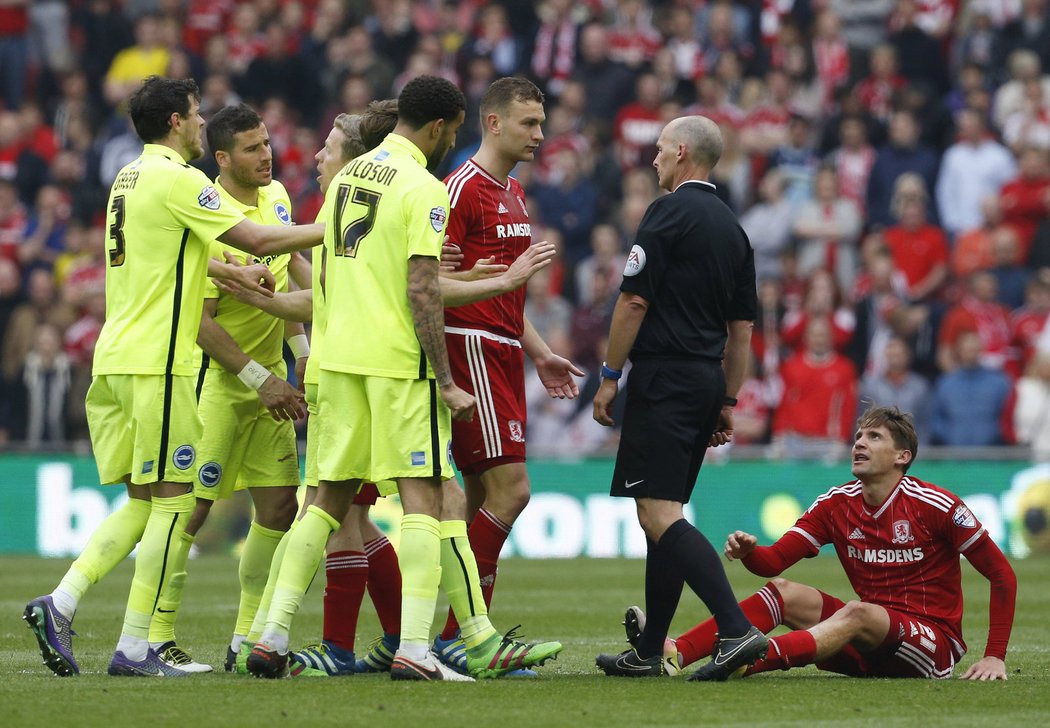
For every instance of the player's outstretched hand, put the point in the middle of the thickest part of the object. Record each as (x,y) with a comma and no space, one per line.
(723,433)
(250,296)
(987,668)
(460,402)
(451,256)
(556,373)
(603,401)
(255,277)
(739,544)
(484,268)
(534,258)
(284,401)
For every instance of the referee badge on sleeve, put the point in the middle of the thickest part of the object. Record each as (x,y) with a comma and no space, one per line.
(437,218)
(635,261)
(209,198)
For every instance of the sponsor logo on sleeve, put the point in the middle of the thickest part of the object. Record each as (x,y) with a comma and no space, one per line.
(635,261)
(210,474)
(209,198)
(963,518)
(437,218)
(183,457)
(283,213)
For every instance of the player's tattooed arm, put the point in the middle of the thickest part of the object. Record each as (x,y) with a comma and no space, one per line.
(428,317)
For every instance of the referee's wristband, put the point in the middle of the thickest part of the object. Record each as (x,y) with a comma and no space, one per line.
(610,373)
(729,401)
(300,346)
(253,375)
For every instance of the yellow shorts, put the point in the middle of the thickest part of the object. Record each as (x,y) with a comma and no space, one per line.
(379,428)
(144,426)
(243,446)
(310,477)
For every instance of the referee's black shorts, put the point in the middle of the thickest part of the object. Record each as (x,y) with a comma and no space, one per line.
(671,411)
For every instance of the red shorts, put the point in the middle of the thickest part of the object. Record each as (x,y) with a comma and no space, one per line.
(492,368)
(367,495)
(913,647)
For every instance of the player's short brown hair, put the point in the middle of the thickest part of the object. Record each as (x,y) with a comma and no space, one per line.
(502,92)
(349,125)
(900,426)
(379,119)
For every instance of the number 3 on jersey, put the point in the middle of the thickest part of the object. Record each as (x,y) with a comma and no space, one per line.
(347,239)
(116,232)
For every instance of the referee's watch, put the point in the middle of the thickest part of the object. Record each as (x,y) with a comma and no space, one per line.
(610,373)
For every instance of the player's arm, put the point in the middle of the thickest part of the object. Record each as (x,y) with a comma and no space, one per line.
(299,271)
(295,336)
(256,277)
(290,306)
(767,561)
(626,321)
(283,401)
(428,317)
(263,240)
(990,562)
(734,364)
(494,280)
(556,372)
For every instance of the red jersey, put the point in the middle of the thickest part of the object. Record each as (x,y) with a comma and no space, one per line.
(903,555)
(488,219)
(820,398)
(916,252)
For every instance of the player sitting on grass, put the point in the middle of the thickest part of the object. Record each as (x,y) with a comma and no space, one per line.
(899,540)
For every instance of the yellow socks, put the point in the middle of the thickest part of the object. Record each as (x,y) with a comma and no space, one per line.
(420,560)
(162,625)
(461,584)
(256,558)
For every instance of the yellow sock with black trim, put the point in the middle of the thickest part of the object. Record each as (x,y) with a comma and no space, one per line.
(461,584)
(110,544)
(162,625)
(259,622)
(256,558)
(301,558)
(153,568)
(420,561)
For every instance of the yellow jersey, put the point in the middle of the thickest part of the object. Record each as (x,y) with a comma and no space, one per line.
(384,207)
(319,317)
(162,216)
(257,333)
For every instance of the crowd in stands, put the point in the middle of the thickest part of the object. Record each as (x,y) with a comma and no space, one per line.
(889,160)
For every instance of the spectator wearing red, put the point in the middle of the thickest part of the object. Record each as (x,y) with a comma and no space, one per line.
(816,412)
(830,55)
(633,41)
(827,228)
(638,124)
(974,249)
(554,51)
(822,301)
(1028,322)
(877,89)
(853,160)
(919,249)
(1025,200)
(978,312)
(13,221)
(766,127)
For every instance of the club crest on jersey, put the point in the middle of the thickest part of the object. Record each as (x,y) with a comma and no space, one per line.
(437,218)
(209,198)
(210,474)
(963,518)
(902,532)
(635,261)
(183,457)
(517,432)
(283,213)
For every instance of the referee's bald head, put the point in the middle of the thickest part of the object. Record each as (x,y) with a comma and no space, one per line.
(701,137)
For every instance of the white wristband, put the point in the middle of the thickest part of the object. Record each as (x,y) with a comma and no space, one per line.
(300,346)
(254,374)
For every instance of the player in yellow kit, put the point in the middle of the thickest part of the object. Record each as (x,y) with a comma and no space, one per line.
(249,436)
(142,409)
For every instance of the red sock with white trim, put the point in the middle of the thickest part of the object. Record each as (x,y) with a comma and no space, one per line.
(793,649)
(384,583)
(347,572)
(765,610)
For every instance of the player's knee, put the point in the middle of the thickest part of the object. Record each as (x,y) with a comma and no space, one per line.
(509,504)
(783,586)
(854,611)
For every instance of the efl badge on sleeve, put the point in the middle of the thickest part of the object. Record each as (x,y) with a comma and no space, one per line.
(437,218)
(635,261)
(963,518)
(209,198)
(902,532)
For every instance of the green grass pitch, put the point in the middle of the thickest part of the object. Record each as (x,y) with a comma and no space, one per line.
(579,602)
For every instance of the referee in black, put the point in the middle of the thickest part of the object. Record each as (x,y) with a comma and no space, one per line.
(684,316)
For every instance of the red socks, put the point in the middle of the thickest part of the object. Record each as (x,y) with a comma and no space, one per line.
(384,583)
(765,610)
(793,649)
(346,572)
(487,534)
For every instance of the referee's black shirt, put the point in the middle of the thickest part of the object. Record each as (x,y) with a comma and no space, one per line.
(694,265)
